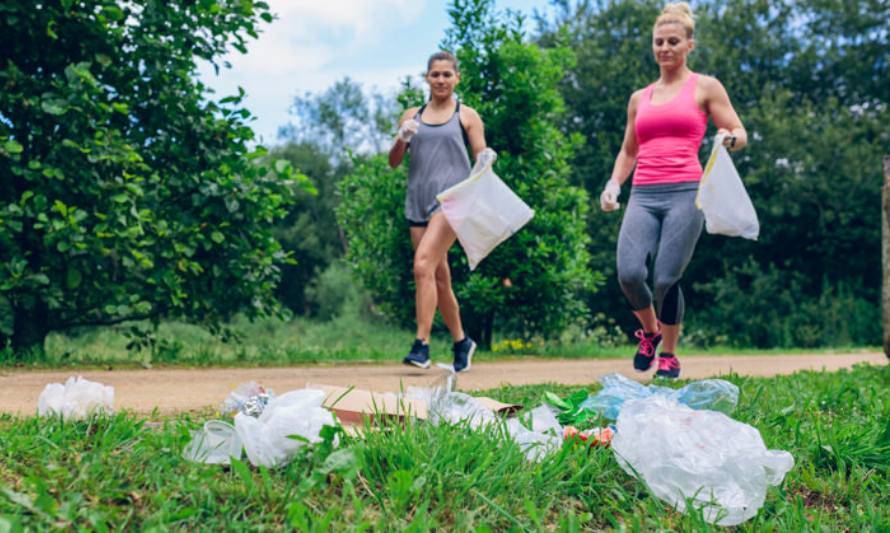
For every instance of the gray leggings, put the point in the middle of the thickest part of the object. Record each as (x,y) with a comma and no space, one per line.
(661,221)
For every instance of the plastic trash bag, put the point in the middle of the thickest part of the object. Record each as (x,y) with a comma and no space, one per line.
(714,394)
(482,210)
(544,437)
(456,407)
(723,199)
(77,398)
(215,444)
(250,398)
(444,405)
(267,439)
(720,464)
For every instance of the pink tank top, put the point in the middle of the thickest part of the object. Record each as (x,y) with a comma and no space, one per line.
(669,136)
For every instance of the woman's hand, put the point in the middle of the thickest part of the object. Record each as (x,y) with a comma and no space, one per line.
(408,129)
(609,197)
(729,140)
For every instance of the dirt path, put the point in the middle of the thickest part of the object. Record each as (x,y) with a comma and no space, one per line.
(171,390)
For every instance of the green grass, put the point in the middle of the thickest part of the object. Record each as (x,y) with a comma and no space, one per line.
(348,338)
(124,472)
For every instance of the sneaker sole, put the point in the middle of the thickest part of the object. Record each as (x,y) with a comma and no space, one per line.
(470,358)
(419,365)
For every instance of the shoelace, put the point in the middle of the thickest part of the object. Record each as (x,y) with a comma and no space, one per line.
(646,347)
(668,363)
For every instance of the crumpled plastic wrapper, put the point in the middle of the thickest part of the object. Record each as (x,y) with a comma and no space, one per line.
(249,398)
(78,398)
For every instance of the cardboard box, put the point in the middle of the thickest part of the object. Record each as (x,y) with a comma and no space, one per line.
(352,405)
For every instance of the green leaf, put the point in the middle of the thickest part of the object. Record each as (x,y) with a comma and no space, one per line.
(11,146)
(217,237)
(243,471)
(54,106)
(282,165)
(556,401)
(73,278)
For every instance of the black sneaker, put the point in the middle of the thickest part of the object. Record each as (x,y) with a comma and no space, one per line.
(463,354)
(668,366)
(645,355)
(419,355)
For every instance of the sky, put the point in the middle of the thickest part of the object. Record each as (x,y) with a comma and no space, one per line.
(314,43)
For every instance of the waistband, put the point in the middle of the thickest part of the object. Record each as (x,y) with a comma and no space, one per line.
(662,188)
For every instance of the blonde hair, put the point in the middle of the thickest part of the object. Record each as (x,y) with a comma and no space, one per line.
(677,13)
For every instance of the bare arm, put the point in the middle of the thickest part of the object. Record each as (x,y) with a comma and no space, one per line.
(399,147)
(627,156)
(472,122)
(723,114)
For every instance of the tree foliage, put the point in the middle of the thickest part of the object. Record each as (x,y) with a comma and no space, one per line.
(125,193)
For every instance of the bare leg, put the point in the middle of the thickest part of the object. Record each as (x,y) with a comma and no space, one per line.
(431,251)
(447,301)
(671,335)
(647,319)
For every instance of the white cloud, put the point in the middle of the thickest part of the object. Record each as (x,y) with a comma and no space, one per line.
(300,51)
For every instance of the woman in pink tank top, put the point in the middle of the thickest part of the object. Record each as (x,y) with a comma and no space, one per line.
(666,122)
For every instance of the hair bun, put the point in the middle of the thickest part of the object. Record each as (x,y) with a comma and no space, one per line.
(678,8)
(678,13)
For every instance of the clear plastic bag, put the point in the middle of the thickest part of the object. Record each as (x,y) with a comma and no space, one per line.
(77,398)
(483,211)
(719,464)
(250,398)
(444,405)
(723,199)
(714,394)
(215,444)
(267,439)
(544,437)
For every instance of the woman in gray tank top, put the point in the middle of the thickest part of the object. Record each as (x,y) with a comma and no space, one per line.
(436,135)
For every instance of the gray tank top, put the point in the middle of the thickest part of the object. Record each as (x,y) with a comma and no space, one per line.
(439,160)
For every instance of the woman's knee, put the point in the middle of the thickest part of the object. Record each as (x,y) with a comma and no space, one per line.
(631,278)
(424,267)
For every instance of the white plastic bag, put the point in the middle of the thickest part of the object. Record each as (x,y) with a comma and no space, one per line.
(723,199)
(544,437)
(77,398)
(483,211)
(720,464)
(216,444)
(267,439)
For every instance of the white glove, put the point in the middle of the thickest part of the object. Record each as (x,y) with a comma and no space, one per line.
(408,129)
(609,197)
(486,157)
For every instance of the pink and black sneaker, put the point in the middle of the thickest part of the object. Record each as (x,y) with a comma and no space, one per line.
(646,350)
(668,366)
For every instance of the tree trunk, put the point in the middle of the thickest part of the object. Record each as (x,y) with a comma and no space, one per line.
(30,326)
(885,245)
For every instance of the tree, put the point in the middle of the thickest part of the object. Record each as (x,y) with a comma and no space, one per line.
(125,193)
(804,78)
(534,283)
(326,127)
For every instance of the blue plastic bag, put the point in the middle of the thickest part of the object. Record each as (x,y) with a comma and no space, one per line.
(713,394)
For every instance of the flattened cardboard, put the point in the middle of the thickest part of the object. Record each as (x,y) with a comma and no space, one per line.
(351,406)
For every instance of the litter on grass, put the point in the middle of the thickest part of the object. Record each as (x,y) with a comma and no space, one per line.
(718,464)
(713,394)
(249,398)
(78,398)
(270,431)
